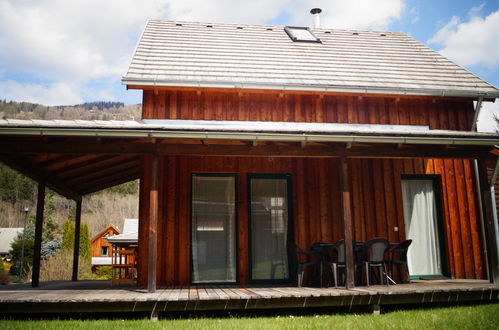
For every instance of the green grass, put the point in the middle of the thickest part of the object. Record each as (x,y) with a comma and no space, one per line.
(467,317)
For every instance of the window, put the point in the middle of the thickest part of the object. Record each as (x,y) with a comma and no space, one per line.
(104,251)
(301,34)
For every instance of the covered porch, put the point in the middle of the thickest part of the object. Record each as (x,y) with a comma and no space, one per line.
(79,158)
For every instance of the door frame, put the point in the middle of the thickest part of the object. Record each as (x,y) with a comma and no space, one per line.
(236,225)
(290,231)
(442,233)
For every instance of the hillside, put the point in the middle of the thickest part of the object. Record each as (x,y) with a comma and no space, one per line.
(17,192)
(86,111)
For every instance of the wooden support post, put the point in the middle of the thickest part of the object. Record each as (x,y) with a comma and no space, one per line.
(76,251)
(490,237)
(35,276)
(153,226)
(346,208)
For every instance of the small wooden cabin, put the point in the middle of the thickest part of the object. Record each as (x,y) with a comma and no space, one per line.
(255,138)
(101,248)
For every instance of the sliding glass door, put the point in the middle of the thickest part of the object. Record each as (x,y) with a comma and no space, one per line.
(422,226)
(270,226)
(213,228)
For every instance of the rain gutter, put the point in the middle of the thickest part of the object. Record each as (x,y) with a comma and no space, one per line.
(478,107)
(250,136)
(309,88)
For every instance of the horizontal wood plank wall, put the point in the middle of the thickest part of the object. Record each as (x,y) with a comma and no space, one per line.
(376,198)
(438,113)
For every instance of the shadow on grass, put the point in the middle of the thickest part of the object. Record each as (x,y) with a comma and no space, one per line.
(257,313)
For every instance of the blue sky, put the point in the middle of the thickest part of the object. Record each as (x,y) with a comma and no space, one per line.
(67,52)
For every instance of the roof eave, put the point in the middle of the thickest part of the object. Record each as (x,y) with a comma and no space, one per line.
(352,137)
(309,88)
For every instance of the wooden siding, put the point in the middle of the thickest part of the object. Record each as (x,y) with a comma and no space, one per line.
(438,113)
(99,241)
(376,203)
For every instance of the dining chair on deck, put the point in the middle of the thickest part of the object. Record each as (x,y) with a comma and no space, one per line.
(374,253)
(324,252)
(398,257)
(359,259)
(339,263)
(303,260)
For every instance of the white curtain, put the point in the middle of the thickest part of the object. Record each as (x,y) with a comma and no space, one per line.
(420,218)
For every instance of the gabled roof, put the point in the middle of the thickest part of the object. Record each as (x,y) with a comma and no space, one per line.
(130,233)
(7,237)
(189,54)
(106,229)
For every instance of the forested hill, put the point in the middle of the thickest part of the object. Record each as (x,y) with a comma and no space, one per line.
(86,111)
(18,192)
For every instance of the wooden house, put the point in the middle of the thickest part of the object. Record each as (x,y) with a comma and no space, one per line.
(101,248)
(255,138)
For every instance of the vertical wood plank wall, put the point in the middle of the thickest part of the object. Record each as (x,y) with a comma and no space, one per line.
(376,201)
(438,113)
(376,189)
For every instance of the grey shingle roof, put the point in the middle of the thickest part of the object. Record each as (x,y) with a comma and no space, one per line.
(255,56)
(7,237)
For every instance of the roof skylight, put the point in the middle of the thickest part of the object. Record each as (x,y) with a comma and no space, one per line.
(297,33)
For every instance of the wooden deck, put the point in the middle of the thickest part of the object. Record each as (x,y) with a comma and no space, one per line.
(97,296)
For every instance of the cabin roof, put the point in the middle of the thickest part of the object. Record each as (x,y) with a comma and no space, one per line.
(105,230)
(194,54)
(7,237)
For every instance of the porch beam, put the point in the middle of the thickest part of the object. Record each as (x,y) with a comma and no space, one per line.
(153,225)
(346,208)
(489,226)
(289,149)
(40,204)
(76,251)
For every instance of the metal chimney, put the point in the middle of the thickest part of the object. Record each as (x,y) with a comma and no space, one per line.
(317,18)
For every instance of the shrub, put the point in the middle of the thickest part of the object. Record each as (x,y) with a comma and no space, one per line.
(104,272)
(4,276)
(59,267)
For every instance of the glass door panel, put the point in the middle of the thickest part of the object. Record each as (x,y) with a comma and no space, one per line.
(269,225)
(213,228)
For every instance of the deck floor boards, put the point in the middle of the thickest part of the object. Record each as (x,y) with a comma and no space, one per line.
(86,296)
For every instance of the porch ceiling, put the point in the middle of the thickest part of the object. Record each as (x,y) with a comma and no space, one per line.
(76,161)
(75,174)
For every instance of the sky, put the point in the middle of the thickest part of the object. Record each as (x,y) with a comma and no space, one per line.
(58,52)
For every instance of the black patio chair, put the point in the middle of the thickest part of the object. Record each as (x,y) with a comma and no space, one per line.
(374,254)
(304,258)
(398,257)
(324,257)
(339,249)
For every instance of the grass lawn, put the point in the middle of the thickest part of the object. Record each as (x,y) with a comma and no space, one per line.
(467,317)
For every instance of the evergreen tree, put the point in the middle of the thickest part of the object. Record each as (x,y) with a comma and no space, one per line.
(15,254)
(68,239)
